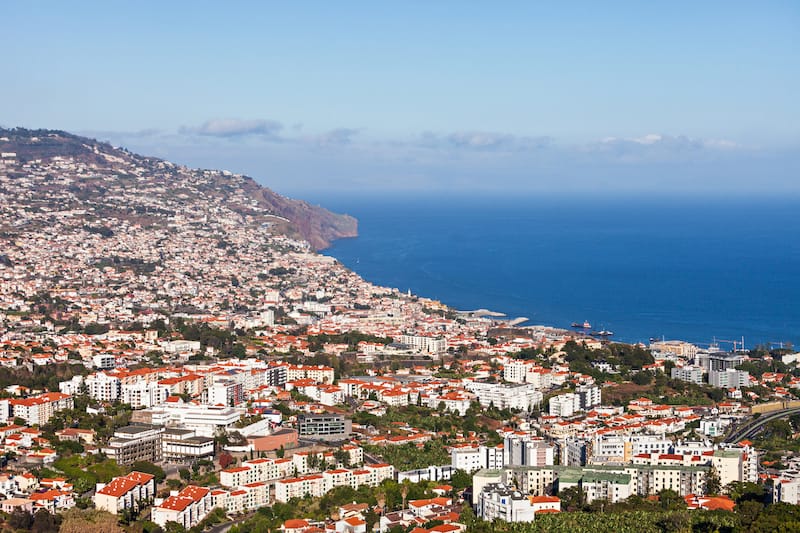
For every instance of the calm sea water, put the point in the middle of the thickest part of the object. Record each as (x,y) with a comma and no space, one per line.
(642,268)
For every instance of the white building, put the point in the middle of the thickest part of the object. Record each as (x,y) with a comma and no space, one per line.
(39,409)
(226,392)
(504,503)
(316,485)
(692,374)
(421,343)
(180,346)
(622,448)
(481,457)
(204,419)
(103,387)
(514,371)
(523,449)
(713,428)
(588,396)
(144,394)
(104,361)
(523,397)
(133,491)
(187,507)
(786,489)
(565,405)
(729,378)
(72,387)
(454,402)
(736,464)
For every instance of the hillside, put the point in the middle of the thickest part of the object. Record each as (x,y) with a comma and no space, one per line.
(112,184)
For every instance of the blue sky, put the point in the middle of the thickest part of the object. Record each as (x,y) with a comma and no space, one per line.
(691,97)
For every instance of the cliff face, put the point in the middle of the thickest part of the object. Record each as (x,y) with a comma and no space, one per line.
(117,184)
(315,224)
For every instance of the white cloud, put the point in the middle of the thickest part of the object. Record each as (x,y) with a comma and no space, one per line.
(231,127)
(658,140)
(483,141)
(335,137)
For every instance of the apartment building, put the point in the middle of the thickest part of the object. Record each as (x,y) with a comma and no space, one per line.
(316,485)
(187,507)
(103,387)
(143,394)
(503,396)
(523,449)
(692,374)
(736,464)
(620,449)
(319,373)
(38,410)
(498,501)
(327,427)
(599,482)
(423,343)
(564,405)
(471,458)
(133,491)
(729,378)
(135,443)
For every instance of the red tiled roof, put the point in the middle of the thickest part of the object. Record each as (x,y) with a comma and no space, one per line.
(118,487)
(176,503)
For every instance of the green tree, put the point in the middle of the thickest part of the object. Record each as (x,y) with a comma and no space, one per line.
(749,511)
(675,522)
(174,527)
(713,484)
(342,457)
(149,468)
(461,480)
(20,520)
(572,498)
(671,500)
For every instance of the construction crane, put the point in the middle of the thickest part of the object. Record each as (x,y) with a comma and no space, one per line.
(780,344)
(740,343)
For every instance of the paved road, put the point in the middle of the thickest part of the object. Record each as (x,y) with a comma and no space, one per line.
(371,459)
(221,528)
(753,427)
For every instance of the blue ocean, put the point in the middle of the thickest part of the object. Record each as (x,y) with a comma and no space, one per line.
(690,269)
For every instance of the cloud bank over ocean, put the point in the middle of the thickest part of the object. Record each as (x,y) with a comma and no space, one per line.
(348,158)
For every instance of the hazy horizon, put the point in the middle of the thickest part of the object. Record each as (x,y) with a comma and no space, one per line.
(631,98)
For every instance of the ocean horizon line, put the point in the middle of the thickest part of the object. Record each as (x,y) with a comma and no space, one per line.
(330,199)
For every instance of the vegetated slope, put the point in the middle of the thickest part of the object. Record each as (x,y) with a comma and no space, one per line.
(107,171)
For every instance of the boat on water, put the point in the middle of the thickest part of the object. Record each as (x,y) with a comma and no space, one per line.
(584,325)
(604,333)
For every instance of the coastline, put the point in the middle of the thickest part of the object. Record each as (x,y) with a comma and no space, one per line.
(642,281)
